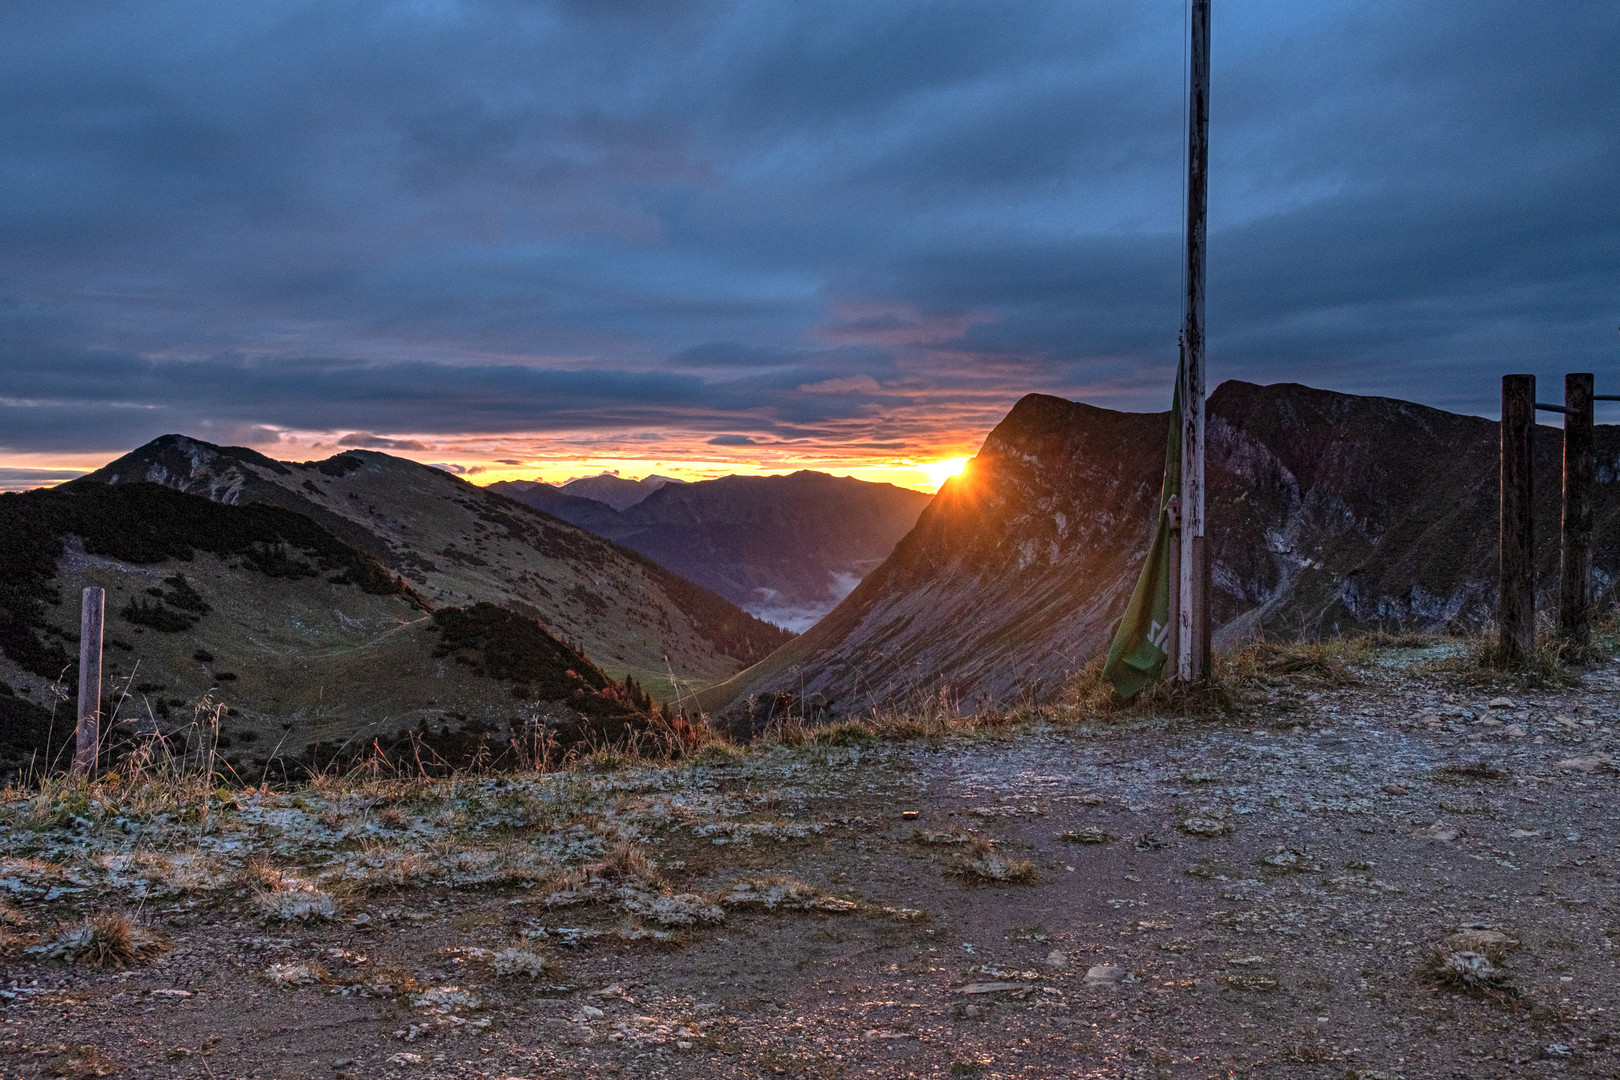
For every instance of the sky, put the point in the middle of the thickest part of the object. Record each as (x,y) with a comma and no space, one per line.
(527,238)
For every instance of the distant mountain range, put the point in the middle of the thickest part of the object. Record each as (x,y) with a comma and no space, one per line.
(785,548)
(609,488)
(1328,513)
(458,544)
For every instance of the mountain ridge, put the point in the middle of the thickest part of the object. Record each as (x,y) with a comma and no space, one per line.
(461,544)
(1328,513)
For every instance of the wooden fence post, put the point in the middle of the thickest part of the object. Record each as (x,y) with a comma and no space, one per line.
(1516,602)
(89,727)
(1575,553)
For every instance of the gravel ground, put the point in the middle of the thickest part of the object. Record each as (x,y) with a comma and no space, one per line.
(1408,876)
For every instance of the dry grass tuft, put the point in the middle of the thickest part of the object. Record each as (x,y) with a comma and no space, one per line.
(626,864)
(1467,971)
(1492,944)
(110,939)
(1481,663)
(980,863)
(296,902)
(1471,961)
(260,875)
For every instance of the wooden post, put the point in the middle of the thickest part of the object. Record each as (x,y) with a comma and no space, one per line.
(1575,552)
(91,611)
(1516,603)
(1172,643)
(1192,617)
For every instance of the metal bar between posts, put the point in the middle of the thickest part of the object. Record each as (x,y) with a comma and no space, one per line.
(1516,597)
(1575,550)
(88,730)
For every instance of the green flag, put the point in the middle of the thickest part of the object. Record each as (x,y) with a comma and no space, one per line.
(1141,644)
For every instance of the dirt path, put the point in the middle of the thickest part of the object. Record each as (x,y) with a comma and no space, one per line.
(1265,898)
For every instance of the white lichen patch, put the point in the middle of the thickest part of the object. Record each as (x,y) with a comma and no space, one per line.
(295,974)
(515,962)
(1206,826)
(446,999)
(678,909)
(781,892)
(299,903)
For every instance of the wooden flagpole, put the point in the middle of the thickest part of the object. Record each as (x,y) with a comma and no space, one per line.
(1192,616)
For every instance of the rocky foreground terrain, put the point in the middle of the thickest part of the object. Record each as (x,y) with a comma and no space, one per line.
(1393,869)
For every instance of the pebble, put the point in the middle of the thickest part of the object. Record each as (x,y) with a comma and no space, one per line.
(1056,960)
(1104,975)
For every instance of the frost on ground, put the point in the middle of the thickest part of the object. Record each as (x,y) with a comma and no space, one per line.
(1406,874)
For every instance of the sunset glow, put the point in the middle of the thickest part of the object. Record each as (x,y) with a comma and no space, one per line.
(940,471)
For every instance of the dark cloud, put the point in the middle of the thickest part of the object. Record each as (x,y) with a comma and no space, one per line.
(840,222)
(733,440)
(377,442)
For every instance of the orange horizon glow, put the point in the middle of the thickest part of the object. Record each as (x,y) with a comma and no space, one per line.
(486,464)
(917,475)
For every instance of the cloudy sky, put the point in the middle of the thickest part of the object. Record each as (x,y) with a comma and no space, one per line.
(550,237)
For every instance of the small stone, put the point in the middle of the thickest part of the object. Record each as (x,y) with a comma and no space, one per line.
(1396,789)
(910,815)
(988,987)
(1440,831)
(1104,975)
(1584,764)
(1513,731)
(1198,826)
(1056,960)
(342,1063)
(973,1012)
(1501,703)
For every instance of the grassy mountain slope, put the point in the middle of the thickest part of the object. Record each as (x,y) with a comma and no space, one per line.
(459,544)
(304,638)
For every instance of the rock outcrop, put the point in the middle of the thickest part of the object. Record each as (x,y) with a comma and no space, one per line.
(1329,513)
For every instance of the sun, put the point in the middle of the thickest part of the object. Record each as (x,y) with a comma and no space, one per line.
(940,471)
